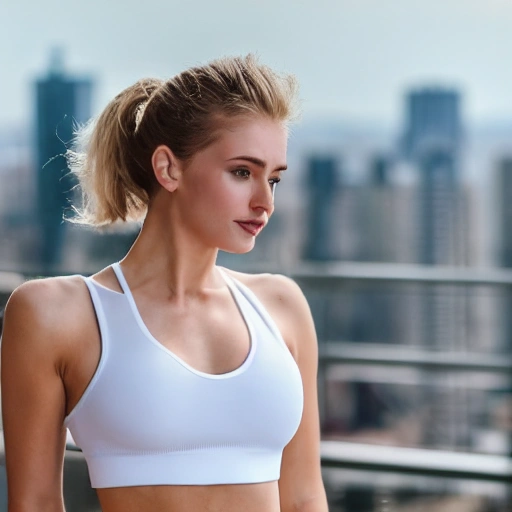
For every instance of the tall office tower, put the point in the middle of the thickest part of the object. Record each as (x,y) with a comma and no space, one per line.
(322,184)
(61,101)
(432,142)
(504,203)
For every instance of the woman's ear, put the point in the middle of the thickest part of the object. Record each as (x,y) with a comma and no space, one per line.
(166,168)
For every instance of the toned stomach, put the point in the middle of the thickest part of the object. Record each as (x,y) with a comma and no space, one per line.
(261,497)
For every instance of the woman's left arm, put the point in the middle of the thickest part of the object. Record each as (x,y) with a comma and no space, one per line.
(301,487)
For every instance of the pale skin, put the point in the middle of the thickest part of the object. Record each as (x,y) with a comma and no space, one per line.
(51,343)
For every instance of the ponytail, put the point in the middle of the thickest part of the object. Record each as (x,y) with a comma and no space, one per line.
(110,166)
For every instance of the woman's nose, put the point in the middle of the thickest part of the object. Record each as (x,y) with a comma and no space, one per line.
(263,197)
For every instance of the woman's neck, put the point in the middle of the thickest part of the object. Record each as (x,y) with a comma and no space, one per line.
(169,256)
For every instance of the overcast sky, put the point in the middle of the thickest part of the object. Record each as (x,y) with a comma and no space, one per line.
(354,58)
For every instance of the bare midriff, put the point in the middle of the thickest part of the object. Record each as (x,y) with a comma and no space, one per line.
(261,497)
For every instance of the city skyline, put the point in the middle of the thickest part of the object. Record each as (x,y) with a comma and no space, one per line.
(354,61)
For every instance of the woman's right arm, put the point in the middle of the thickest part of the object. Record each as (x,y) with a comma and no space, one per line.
(33,397)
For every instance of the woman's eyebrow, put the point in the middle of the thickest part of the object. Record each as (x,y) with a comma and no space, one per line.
(257,161)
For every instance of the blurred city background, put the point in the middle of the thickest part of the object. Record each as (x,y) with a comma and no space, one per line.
(395,215)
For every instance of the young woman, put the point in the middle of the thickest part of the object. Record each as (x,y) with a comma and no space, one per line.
(188,386)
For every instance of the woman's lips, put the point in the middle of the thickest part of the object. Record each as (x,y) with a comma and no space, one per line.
(251,227)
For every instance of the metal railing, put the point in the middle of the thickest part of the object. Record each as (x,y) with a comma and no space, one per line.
(395,459)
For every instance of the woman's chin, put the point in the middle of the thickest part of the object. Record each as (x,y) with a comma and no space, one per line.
(239,248)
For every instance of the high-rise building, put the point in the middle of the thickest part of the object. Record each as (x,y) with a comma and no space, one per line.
(504,202)
(61,102)
(322,184)
(432,139)
(432,143)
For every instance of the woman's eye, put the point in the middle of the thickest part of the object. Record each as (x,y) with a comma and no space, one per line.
(242,173)
(274,181)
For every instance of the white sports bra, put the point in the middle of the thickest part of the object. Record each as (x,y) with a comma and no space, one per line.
(149,418)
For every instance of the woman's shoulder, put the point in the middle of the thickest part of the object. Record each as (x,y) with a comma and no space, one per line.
(48,306)
(47,294)
(274,288)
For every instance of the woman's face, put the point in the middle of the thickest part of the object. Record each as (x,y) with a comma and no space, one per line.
(225,194)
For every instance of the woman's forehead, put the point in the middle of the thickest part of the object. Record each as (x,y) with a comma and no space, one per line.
(259,138)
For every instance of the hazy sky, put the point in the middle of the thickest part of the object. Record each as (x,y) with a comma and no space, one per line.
(354,58)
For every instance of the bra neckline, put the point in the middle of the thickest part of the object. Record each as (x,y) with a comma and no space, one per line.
(235,294)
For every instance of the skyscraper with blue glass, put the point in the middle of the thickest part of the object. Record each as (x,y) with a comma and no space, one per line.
(321,183)
(61,102)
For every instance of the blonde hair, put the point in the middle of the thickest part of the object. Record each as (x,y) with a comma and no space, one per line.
(112,155)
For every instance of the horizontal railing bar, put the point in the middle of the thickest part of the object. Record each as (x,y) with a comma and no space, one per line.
(435,463)
(393,272)
(383,355)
